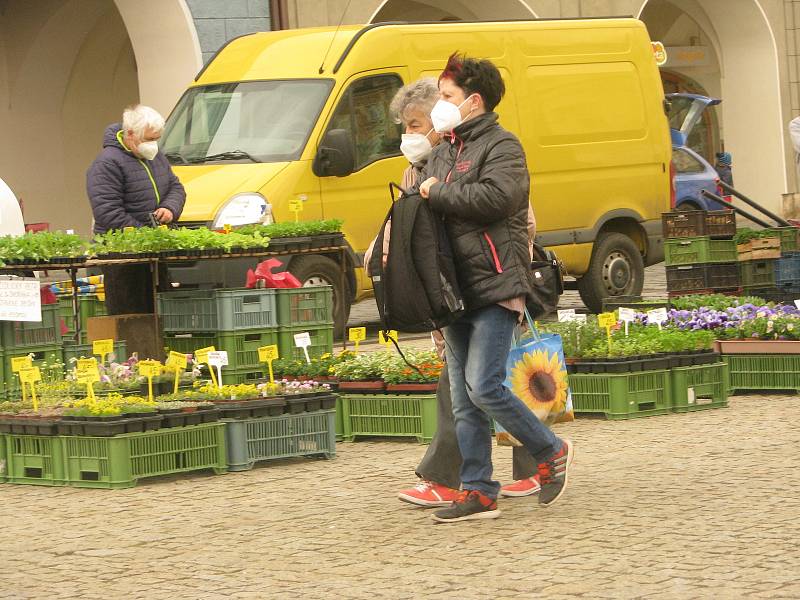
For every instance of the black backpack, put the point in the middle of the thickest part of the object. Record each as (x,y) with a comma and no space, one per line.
(417,290)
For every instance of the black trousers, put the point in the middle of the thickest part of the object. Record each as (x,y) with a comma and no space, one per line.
(442,461)
(129,288)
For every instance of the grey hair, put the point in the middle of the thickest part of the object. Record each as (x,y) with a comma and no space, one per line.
(421,94)
(139,117)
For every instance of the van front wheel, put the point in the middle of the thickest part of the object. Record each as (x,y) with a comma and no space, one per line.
(320,270)
(616,269)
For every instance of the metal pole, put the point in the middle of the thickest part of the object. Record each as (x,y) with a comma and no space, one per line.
(76,321)
(742,212)
(779,220)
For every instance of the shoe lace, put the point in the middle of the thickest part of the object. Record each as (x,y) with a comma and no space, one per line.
(424,486)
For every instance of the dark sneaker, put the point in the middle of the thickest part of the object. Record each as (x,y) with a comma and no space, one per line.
(470,504)
(553,474)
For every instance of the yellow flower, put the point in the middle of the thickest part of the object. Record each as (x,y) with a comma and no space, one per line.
(540,382)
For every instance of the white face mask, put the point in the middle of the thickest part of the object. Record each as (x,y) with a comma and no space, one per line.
(446,116)
(416,147)
(148,150)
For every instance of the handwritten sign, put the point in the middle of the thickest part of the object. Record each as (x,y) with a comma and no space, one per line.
(386,338)
(657,315)
(606,320)
(149,368)
(20,300)
(20,362)
(296,206)
(177,361)
(218,358)
(201,355)
(303,340)
(30,375)
(267,354)
(566,315)
(627,314)
(357,335)
(103,348)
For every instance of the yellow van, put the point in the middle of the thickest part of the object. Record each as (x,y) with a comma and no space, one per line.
(303,114)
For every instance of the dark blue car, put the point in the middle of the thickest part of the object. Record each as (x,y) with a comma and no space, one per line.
(692,172)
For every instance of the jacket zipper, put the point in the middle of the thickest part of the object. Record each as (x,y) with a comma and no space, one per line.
(497,266)
(149,174)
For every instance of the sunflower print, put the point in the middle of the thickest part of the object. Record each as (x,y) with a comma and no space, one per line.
(540,381)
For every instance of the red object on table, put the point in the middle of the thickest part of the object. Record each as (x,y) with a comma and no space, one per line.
(37,227)
(264,273)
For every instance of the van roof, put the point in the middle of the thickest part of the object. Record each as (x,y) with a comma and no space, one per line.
(319,52)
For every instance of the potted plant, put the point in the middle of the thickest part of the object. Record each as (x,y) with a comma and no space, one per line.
(422,377)
(363,373)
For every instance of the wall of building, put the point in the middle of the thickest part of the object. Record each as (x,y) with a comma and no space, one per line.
(217,22)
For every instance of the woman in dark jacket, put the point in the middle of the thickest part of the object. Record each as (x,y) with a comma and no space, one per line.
(478,180)
(128,183)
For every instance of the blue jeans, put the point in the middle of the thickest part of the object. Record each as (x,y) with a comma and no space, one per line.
(477,347)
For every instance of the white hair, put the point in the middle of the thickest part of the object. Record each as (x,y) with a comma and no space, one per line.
(420,95)
(139,118)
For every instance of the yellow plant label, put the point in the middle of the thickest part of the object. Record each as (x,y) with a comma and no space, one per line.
(606,320)
(21,362)
(201,355)
(30,375)
(149,368)
(227,228)
(385,339)
(296,206)
(177,360)
(268,353)
(357,334)
(103,347)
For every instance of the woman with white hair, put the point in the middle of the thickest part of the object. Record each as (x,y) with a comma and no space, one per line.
(439,470)
(130,184)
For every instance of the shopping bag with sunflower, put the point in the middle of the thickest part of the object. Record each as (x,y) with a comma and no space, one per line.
(537,375)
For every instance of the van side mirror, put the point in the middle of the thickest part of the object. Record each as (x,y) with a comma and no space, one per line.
(334,155)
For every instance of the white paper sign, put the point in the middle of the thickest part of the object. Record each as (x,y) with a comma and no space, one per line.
(797,303)
(627,314)
(20,300)
(658,315)
(302,340)
(566,314)
(218,358)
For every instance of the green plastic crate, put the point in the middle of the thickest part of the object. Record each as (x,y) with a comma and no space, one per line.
(17,335)
(757,273)
(42,355)
(389,415)
(254,440)
(34,459)
(120,461)
(621,396)
(699,387)
(70,351)
(305,306)
(217,310)
(3,461)
(763,371)
(89,305)
(698,250)
(339,419)
(788,236)
(321,341)
(241,346)
(239,376)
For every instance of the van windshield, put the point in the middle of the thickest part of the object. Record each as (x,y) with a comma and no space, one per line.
(252,121)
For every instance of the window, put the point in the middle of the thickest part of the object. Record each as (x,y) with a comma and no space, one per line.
(363,112)
(685,162)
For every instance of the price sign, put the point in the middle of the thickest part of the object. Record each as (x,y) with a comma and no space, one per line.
(386,337)
(227,228)
(201,356)
(627,314)
(21,362)
(565,315)
(103,348)
(606,320)
(218,359)
(797,303)
(267,354)
(30,375)
(303,340)
(177,360)
(357,335)
(87,373)
(149,368)
(296,206)
(658,315)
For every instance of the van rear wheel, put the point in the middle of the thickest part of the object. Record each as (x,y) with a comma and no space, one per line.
(616,269)
(320,270)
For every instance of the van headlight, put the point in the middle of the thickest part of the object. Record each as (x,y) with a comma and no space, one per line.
(244,209)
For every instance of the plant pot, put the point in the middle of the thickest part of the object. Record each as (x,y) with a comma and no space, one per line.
(757,346)
(424,388)
(362,386)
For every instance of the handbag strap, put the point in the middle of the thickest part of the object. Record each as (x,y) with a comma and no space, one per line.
(534,331)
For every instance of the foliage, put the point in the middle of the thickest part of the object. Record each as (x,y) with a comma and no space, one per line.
(110,405)
(713,301)
(427,363)
(40,246)
(363,367)
(289,229)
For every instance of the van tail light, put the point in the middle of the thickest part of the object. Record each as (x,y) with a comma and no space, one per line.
(671,185)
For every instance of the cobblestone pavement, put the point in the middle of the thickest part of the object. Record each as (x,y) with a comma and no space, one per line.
(684,506)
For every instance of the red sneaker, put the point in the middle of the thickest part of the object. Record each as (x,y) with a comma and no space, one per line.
(523,487)
(428,493)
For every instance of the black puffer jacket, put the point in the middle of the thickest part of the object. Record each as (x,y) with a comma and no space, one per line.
(120,189)
(483,194)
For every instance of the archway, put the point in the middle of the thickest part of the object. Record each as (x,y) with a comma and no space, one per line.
(741,67)
(451,10)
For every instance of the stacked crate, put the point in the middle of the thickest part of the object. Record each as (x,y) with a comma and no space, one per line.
(240,321)
(39,339)
(700,253)
(89,305)
(770,266)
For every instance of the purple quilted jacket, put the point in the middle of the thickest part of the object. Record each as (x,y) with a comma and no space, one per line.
(124,189)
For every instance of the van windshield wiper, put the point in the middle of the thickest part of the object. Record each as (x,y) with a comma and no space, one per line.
(229,155)
(171,156)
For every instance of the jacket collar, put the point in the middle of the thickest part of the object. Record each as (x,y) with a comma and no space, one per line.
(476,127)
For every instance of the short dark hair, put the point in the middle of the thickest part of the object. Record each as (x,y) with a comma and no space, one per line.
(475,76)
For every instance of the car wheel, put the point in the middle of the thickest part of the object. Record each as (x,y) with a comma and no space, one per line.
(319,270)
(616,269)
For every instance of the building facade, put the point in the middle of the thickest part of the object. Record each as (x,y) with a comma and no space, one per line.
(67,67)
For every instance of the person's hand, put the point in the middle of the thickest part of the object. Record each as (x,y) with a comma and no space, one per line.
(425,188)
(164,215)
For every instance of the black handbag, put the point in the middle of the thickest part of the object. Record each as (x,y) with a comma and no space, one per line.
(547,282)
